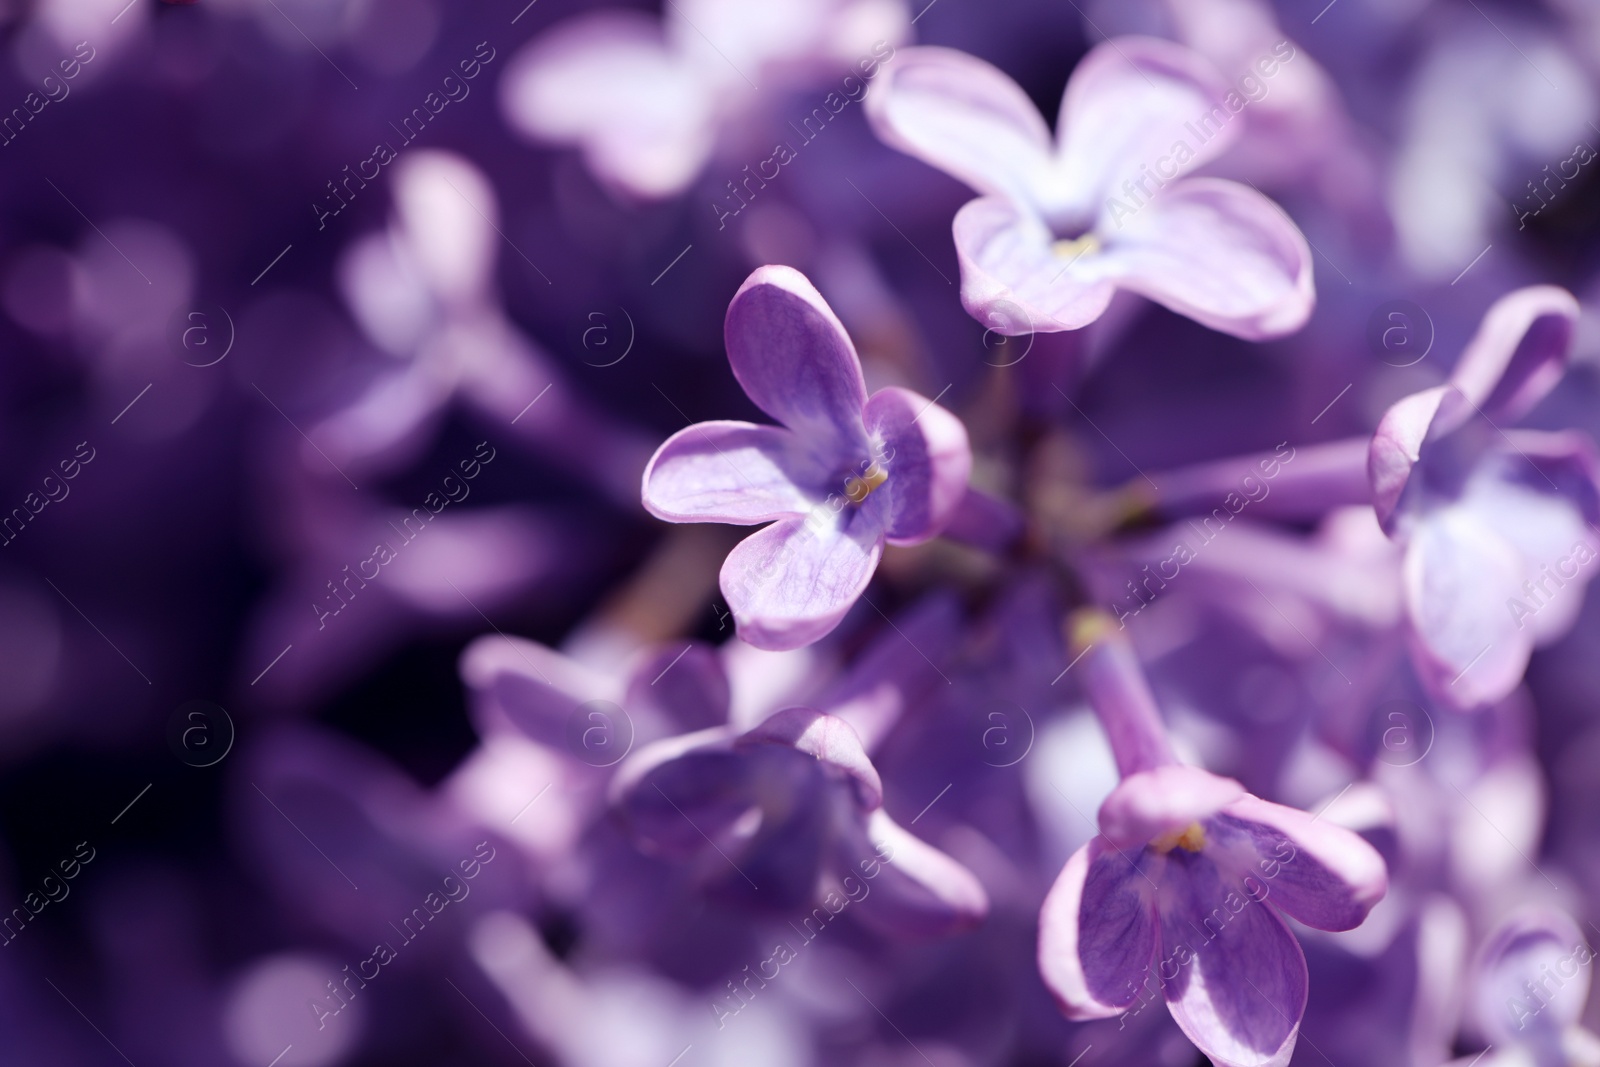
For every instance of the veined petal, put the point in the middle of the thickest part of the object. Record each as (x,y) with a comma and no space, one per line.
(1127,106)
(1154,802)
(1519,352)
(931,461)
(1098,934)
(1321,874)
(726,471)
(794,359)
(790,584)
(1240,989)
(1216,251)
(964,116)
(1013,281)
(1460,576)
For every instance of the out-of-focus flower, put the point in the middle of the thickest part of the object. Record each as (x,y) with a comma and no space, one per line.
(648,100)
(1062,226)
(1171,897)
(844,474)
(1496,523)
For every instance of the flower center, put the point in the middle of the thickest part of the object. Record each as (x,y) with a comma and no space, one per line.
(1191,838)
(1076,248)
(858,488)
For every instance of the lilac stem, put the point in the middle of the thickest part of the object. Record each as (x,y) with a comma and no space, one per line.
(1293,483)
(1110,675)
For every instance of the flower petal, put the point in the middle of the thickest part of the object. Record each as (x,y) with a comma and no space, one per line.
(1519,352)
(1321,874)
(1154,802)
(1408,425)
(964,116)
(1459,578)
(918,891)
(1216,251)
(1011,279)
(931,461)
(687,685)
(733,472)
(790,584)
(607,82)
(1129,102)
(534,688)
(794,359)
(826,738)
(1098,934)
(1240,986)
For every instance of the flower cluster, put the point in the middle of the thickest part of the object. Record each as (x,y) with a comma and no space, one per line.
(1018,533)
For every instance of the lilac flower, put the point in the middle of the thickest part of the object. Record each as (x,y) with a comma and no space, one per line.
(1531,984)
(793,807)
(844,474)
(1496,523)
(1171,896)
(1061,226)
(648,100)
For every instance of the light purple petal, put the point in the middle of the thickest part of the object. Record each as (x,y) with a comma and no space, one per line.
(1216,251)
(1410,423)
(790,584)
(1159,801)
(1013,281)
(964,116)
(1519,352)
(1098,934)
(918,891)
(930,466)
(607,82)
(1534,944)
(1240,988)
(733,472)
(794,359)
(1128,103)
(1321,874)
(1459,578)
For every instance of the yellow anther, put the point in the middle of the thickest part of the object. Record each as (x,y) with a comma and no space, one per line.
(858,489)
(1191,838)
(1087,245)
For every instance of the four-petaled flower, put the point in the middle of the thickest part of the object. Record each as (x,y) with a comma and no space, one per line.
(844,474)
(1495,522)
(1172,897)
(1061,226)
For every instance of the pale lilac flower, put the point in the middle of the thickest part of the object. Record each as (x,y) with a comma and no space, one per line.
(1496,523)
(844,474)
(648,100)
(1063,224)
(1171,898)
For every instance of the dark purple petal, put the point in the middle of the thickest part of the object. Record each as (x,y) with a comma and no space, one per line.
(530,687)
(1321,874)
(910,889)
(791,583)
(829,740)
(1098,934)
(684,682)
(733,472)
(794,359)
(1240,986)
(931,461)
(1519,352)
